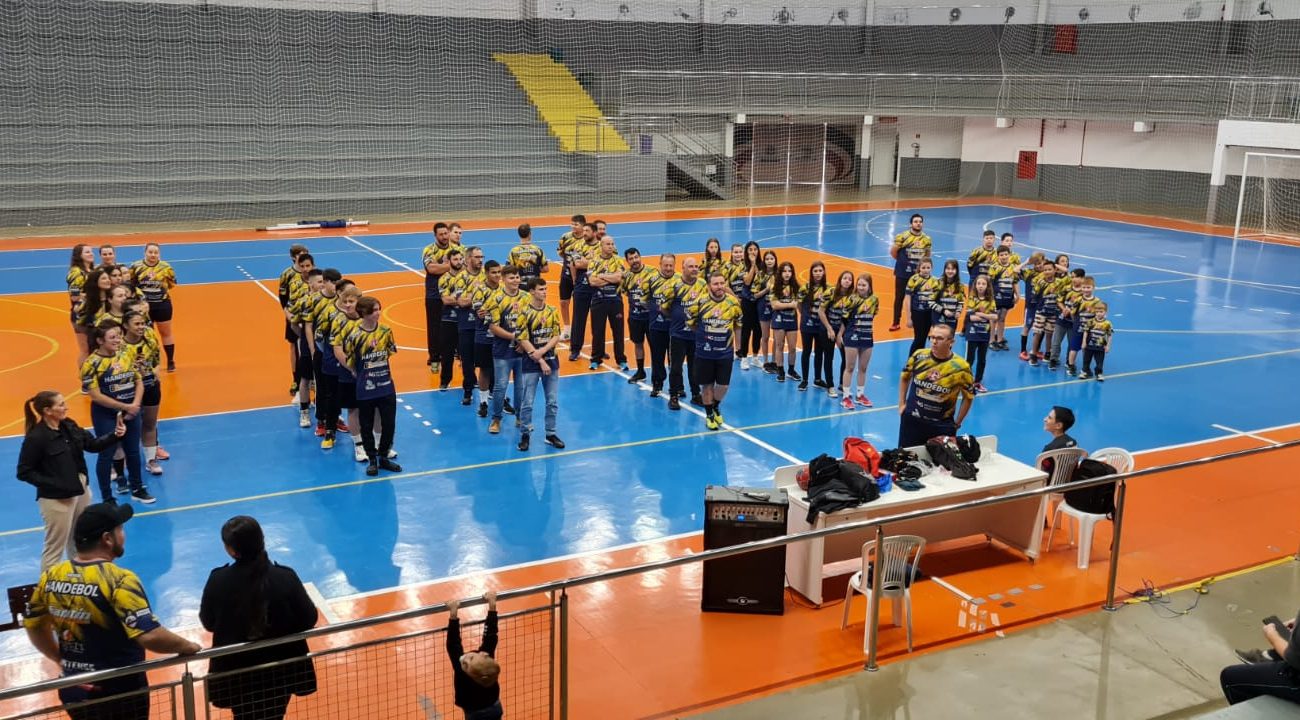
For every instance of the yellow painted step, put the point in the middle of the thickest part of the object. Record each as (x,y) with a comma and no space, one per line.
(561,101)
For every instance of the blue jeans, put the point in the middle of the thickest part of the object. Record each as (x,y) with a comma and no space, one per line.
(502,367)
(104,420)
(550,386)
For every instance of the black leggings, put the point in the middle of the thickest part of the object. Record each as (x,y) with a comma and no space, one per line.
(751,334)
(448,341)
(920,330)
(386,407)
(900,294)
(816,343)
(1089,357)
(977,353)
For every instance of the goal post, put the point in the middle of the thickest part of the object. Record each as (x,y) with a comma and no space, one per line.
(1268,197)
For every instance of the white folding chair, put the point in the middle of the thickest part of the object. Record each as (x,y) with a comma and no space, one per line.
(898,560)
(1117,458)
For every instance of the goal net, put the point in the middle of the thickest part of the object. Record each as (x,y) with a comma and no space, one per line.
(1268,198)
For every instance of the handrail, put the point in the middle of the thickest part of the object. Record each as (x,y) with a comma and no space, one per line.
(607,575)
(924,74)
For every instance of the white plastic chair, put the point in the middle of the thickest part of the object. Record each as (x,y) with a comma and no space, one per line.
(899,558)
(1117,458)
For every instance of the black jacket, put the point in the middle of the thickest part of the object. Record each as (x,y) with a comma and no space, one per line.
(52,459)
(225,612)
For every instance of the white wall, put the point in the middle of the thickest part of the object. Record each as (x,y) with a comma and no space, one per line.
(1186,148)
(939,137)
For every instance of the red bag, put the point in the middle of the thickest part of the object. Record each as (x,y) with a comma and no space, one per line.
(863,454)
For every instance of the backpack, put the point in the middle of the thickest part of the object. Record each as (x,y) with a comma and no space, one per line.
(896,459)
(1099,500)
(944,452)
(858,481)
(821,470)
(969,448)
(862,453)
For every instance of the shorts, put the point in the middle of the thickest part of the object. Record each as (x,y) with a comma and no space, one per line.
(784,321)
(713,372)
(1076,341)
(764,310)
(483,358)
(161,311)
(1004,304)
(1044,324)
(637,329)
(566,284)
(345,396)
(304,369)
(152,395)
(858,342)
(289,334)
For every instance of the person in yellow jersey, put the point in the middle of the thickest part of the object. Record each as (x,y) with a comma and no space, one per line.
(286,284)
(982,258)
(909,249)
(115,308)
(434,259)
(1048,289)
(605,273)
(761,290)
(154,277)
(367,350)
(1029,275)
(502,314)
(341,325)
(659,288)
(712,261)
(481,297)
(934,391)
(636,286)
(1071,295)
(320,302)
(116,390)
(1085,309)
(857,336)
(817,339)
(981,313)
(743,285)
(715,320)
(527,255)
(1008,241)
(950,298)
(539,333)
(832,317)
(79,269)
(331,395)
(922,290)
(1003,276)
(1097,334)
(89,614)
(300,316)
(146,346)
(451,286)
(688,289)
(468,323)
(565,249)
(582,252)
(784,299)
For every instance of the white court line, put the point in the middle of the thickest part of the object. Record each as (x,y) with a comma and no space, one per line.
(1243,433)
(331,617)
(389,258)
(259,284)
(951,588)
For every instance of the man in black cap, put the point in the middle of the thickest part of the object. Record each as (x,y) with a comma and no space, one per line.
(89,614)
(1057,422)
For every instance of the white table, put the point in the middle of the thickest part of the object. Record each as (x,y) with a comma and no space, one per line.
(1018,523)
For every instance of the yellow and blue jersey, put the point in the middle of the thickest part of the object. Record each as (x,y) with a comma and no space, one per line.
(659,291)
(503,311)
(923,290)
(715,322)
(1003,278)
(148,355)
(811,299)
(912,249)
(981,262)
(859,318)
(286,282)
(368,351)
(1097,334)
(682,297)
(602,266)
(1084,311)
(538,327)
(977,329)
(580,249)
(528,257)
(115,376)
(636,285)
(76,280)
(480,294)
(735,274)
(97,609)
(451,286)
(436,254)
(934,386)
(153,280)
(948,302)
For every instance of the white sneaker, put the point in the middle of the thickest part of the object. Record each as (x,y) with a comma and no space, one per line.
(392,454)
(833,392)
(359,452)
(744,363)
(304,419)
(565,335)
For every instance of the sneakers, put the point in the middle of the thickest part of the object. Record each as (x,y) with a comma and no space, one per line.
(565,335)
(622,367)
(143,496)
(697,400)
(656,392)
(320,429)
(171,367)
(803,386)
(790,373)
(523,442)
(770,368)
(711,422)
(674,403)
(594,365)
(1033,361)
(1069,370)
(304,420)
(392,454)
(327,443)
(389,465)
(895,327)
(833,392)
(121,488)
(359,452)
(1024,355)
(780,375)
(163,454)
(1085,375)
(373,468)
(637,377)
(153,467)
(443,388)
(435,368)
(821,384)
(1100,377)
(494,428)
(339,426)
(1253,657)
(482,409)
(1053,365)
(847,403)
(744,363)
(467,398)
(979,388)
(717,414)
(863,400)
(507,408)
(555,442)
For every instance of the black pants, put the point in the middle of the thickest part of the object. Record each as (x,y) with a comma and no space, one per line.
(920,330)
(914,431)
(900,294)
(327,401)
(317,376)
(612,313)
(483,363)
(267,707)
(818,345)
(131,707)
(682,349)
(465,346)
(977,353)
(578,327)
(386,406)
(1090,356)
(1243,682)
(433,326)
(751,334)
(448,341)
(659,342)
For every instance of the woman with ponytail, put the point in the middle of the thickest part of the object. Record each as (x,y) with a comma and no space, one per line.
(249,600)
(52,459)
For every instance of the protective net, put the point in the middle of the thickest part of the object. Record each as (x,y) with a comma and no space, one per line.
(1268,199)
(193,111)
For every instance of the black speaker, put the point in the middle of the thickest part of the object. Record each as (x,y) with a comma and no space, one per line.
(753,582)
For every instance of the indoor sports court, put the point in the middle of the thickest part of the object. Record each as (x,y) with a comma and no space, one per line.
(1186,218)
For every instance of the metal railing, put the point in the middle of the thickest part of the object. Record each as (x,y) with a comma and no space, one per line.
(1170,97)
(556,593)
